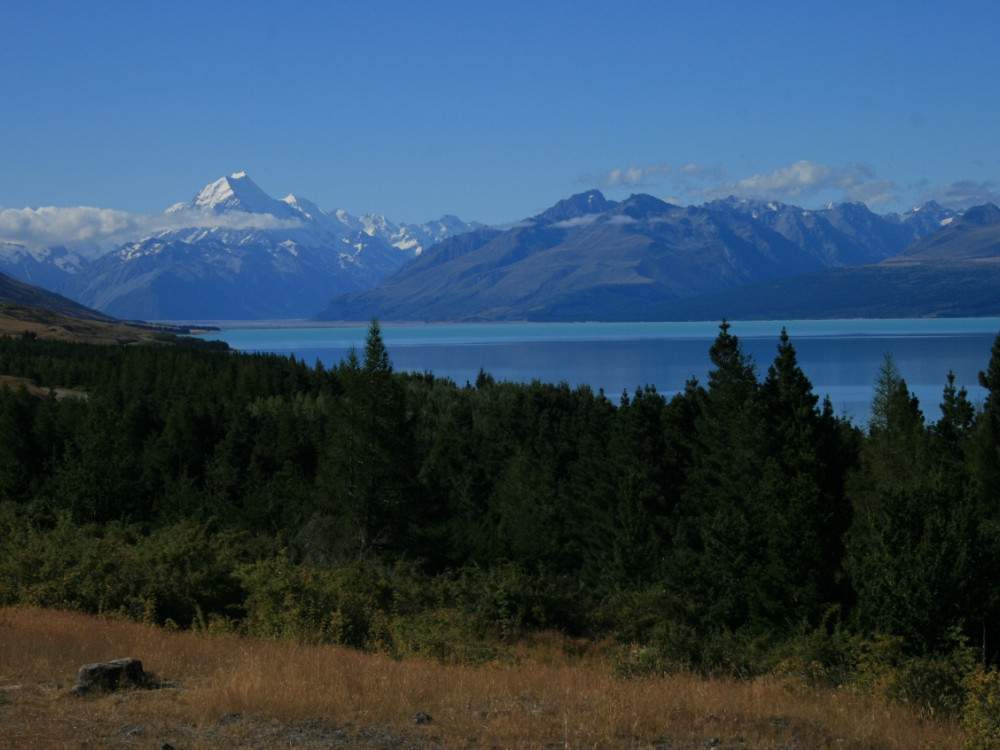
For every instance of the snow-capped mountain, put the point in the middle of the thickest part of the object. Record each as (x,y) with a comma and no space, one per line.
(40,265)
(232,252)
(236,193)
(589,258)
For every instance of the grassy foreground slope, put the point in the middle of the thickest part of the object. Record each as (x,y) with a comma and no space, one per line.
(224,692)
(18,319)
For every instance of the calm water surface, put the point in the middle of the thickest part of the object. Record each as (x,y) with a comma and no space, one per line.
(840,357)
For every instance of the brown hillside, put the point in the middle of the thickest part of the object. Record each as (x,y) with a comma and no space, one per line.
(17,319)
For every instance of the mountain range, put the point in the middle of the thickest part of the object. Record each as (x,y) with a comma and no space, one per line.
(954,272)
(234,252)
(588,258)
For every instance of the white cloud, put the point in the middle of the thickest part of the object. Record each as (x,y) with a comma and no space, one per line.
(786,181)
(626,176)
(963,193)
(576,221)
(804,179)
(103,228)
(622,219)
(634,175)
(700,170)
(48,226)
(193,218)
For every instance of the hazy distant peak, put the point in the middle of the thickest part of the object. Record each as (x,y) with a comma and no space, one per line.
(642,206)
(582,204)
(982,216)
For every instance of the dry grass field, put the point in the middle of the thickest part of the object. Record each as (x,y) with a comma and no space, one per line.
(223,692)
(16,319)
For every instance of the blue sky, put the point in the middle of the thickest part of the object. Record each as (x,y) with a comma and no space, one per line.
(496,110)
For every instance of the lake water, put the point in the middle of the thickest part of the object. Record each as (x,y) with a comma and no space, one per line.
(840,357)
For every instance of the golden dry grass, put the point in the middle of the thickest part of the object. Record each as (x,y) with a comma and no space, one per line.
(15,319)
(242,693)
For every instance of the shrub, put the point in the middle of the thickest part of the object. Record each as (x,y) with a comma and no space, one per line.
(929,683)
(347,605)
(981,713)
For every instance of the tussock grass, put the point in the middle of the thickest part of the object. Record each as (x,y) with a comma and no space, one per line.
(244,693)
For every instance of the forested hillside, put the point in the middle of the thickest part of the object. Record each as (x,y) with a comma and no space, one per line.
(407,513)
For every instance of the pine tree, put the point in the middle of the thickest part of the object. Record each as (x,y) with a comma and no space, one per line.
(719,539)
(801,502)
(910,545)
(370,468)
(984,468)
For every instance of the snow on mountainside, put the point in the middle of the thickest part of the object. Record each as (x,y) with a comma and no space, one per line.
(236,193)
(588,258)
(42,266)
(233,251)
(236,252)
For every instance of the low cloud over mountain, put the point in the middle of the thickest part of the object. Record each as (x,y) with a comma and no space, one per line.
(231,252)
(800,182)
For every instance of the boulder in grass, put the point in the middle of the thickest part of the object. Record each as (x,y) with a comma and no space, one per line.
(110,675)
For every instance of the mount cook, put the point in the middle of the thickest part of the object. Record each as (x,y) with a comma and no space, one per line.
(234,252)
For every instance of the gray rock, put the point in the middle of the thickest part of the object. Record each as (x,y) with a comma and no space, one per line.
(111,675)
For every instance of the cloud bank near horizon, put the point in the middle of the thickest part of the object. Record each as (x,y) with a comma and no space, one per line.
(800,182)
(94,230)
(91,227)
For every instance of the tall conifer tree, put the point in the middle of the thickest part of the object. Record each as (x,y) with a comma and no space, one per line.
(719,539)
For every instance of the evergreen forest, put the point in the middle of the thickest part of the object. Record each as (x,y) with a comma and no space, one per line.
(737,527)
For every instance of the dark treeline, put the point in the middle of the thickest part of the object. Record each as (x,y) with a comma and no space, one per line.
(359,505)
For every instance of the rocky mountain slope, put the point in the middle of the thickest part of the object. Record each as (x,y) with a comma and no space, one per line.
(954,272)
(588,258)
(232,252)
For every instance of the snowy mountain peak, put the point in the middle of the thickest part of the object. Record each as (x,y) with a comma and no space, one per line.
(302,206)
(236,193)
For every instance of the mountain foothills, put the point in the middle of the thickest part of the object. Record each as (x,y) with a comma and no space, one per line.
(588,258)
(234,252)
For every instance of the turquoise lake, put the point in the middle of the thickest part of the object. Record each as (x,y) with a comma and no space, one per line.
(840,357)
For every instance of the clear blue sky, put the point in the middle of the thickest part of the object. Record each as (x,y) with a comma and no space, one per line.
(496,110)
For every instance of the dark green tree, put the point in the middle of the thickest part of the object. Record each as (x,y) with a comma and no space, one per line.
(984,469)
(370,473)
(911,548)
(719,540)
(802,509)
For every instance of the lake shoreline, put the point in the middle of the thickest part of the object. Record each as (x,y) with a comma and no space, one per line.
(840,357)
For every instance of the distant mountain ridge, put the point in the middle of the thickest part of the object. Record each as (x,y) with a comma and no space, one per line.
(589,258)
(954,272)
(233,252)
